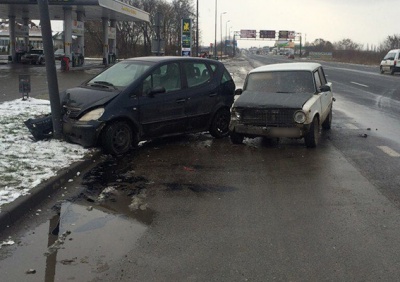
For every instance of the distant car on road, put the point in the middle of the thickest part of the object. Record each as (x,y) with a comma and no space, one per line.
(34,56)
(59,54)
(283,100)
(148,97)
(391,62)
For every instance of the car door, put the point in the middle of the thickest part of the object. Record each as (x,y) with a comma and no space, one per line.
(163,112)
(202,94)
(388,61)
(325,96)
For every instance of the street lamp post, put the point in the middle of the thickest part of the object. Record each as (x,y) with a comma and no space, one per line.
(220,23)
(226,34)
(215,32)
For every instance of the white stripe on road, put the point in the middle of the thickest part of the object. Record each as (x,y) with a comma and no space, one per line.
(389,151)
(351,126)
(363,85)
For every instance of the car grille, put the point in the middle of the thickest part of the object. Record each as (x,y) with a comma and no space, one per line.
(269,117)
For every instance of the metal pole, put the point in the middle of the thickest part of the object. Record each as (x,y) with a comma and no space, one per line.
(51,71)
(197,28)
(226,35)
(220,23)
(215,33)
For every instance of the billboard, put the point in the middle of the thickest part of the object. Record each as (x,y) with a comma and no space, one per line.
(248,33)
(186,37)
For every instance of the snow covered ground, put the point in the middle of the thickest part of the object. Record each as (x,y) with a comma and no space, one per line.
(25,163)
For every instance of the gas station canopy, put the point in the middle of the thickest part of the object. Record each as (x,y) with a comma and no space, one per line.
(92,9)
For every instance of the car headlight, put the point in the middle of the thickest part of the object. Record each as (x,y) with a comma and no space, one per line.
(92,115)
(236,115)
(299,117)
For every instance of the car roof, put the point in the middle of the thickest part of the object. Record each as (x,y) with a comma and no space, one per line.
(287,67)
(159,59)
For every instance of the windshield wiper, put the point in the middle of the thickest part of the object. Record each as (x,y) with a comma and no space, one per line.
(284,92)
(100,83)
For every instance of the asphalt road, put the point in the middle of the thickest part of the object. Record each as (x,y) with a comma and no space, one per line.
(195,208)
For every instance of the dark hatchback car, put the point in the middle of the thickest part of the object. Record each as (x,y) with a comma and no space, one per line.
(148,97)
(34,56)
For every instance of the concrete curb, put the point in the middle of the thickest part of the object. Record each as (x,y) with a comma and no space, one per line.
(12,212)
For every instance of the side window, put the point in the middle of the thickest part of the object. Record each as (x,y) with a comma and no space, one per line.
(167,76)
(196,73)
(213,67)
(171,77)
(153,80)
(226,77)
(317,80)
(322,76)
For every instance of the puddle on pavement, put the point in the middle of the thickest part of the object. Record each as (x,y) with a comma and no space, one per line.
(76,244)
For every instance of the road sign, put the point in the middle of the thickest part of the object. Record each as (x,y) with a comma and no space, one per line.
(248,33)
(267,34)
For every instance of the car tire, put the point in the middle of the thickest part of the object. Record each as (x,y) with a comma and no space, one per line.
(312,137)
(328,121)
(117,138)
(220,123)
(236,138)
(392,70)
(381,70)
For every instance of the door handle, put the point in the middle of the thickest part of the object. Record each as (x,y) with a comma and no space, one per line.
(213,94)
(181,101)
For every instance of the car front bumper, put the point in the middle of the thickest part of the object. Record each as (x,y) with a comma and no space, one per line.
(265,131)
(83,133)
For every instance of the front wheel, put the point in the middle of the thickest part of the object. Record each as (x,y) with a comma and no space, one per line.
(312,137)
(220,124)
(381,70)
(117,138)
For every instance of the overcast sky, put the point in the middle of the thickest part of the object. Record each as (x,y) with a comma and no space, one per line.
(367,22)
(363,21)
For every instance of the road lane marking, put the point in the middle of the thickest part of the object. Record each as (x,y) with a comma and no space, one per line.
(356,83)
(351,126)
(389,151)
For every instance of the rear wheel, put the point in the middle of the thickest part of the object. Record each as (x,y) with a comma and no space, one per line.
(220,124)
(312,137)
(118,138)
(381,69)
(392,70)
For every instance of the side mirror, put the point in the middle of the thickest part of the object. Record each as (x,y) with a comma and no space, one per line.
(238,91)
(325,88)
(156,90)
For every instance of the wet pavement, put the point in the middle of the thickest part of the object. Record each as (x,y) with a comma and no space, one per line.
(195,208)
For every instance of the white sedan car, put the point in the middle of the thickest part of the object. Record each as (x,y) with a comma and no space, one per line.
(290,100)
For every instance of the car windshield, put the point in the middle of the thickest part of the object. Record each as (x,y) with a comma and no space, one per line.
(281,82)
(121,74)
(390,56)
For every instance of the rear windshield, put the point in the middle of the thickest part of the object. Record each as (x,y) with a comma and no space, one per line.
(281,82)
(121,74)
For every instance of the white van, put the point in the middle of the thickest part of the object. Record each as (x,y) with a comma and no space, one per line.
(391,62)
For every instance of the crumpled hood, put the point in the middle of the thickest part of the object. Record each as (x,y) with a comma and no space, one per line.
(256,99)
(82,98)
